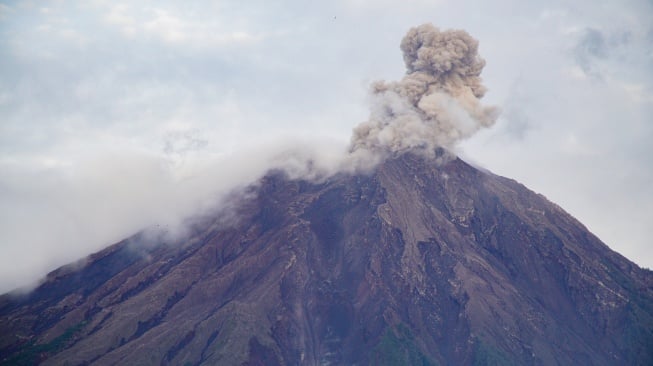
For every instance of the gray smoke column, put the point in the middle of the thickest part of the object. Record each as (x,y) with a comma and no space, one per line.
(436,104)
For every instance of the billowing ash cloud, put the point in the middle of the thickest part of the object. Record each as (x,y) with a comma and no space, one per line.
(437,103)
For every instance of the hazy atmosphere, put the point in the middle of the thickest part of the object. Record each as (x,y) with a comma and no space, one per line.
(115,116)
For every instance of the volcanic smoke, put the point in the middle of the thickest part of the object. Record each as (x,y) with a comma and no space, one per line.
(436,104)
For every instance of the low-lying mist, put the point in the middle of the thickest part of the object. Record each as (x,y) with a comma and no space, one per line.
(98,200)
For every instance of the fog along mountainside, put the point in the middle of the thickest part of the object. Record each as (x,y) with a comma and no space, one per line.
(403,254)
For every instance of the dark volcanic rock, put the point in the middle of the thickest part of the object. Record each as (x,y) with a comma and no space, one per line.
(418,263)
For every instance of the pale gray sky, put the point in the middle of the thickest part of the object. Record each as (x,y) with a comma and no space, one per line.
(118,114)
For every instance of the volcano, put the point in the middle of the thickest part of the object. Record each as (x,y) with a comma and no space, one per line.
(422,261)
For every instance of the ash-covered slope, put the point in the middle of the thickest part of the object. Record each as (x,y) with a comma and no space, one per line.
(417,263)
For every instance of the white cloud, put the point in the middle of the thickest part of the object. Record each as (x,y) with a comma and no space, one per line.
(172,26)
(55,209)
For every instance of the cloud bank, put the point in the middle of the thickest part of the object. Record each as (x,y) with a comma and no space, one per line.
(66,211)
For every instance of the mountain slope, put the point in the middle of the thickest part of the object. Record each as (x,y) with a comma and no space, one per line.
(422,262)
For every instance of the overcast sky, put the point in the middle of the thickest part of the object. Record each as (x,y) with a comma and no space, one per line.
(115,115)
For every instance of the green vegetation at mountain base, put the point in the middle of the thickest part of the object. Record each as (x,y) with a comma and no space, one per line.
(397,347)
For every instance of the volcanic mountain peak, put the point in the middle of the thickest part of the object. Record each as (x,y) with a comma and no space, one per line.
(424,261)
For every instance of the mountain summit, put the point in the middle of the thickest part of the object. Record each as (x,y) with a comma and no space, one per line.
(423,261)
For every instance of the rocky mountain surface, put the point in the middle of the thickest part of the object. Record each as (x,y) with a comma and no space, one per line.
(420,262)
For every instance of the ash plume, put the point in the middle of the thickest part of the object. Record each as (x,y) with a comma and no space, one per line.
(436,104)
